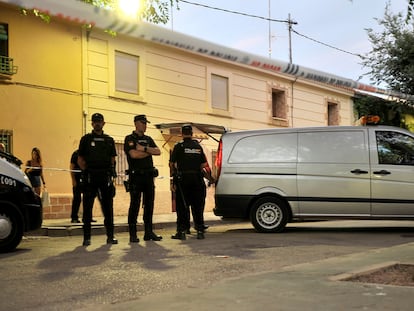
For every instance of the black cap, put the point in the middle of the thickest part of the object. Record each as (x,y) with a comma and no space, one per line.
(187,129)
(97,117)
(142,118)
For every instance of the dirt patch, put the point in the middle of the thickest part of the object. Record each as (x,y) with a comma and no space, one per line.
(398,274)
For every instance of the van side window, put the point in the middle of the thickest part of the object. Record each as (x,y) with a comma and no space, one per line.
(333,147)
(265,149)
(395,148)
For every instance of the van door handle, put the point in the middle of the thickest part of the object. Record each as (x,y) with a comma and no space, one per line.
(358,171)
(382,172)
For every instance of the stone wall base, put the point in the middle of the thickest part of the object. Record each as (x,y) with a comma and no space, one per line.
(61,204)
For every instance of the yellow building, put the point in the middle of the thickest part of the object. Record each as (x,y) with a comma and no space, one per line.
(67,72)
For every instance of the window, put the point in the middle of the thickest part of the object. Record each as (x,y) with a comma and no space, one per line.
(121,163)
(268,148)
(219,92)
(333,114)
(333,147)
(4,40)
(395,148)
(279,104)
(126,73)
(4,49)
(6,138)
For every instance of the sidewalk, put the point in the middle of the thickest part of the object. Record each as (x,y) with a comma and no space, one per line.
(64,227)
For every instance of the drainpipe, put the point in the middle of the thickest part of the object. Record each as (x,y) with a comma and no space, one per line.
(85,85)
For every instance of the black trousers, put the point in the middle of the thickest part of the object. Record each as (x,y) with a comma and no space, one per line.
(190,196)
(141,186)
(101,185)
(76,201)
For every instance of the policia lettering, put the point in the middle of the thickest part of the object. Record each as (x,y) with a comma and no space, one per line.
(139,149)
(96,158)
(188,166)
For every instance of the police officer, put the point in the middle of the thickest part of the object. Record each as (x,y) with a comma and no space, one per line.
(139,149)
(96,157)
(77,184)
(188,166)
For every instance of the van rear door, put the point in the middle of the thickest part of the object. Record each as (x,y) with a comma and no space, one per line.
(334,172)
(392,172)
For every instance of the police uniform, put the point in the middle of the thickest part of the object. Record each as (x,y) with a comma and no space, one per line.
(98,150)
(141,174)
(190,187)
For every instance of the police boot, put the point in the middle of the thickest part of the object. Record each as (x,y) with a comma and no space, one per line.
(110,236)
(180,235)
(133,234)
(86,235)
(150,235)
(200,235)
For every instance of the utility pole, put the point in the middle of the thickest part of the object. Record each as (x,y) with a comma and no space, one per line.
(290,23)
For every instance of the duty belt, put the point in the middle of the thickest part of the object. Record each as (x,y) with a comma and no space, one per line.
(141,172)
(190,172)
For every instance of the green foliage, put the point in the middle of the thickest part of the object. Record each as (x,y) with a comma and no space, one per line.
(44,17)
(391,60)
(155,11)
(390,112)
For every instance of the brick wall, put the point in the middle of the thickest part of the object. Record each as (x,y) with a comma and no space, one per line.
(61,204)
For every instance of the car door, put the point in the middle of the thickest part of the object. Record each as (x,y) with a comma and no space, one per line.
(392,163)
(333,172)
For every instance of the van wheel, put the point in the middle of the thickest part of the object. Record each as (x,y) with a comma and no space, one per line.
(11,226)
(269,214)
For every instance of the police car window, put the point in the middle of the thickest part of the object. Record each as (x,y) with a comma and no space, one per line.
(265,149)
(395,148)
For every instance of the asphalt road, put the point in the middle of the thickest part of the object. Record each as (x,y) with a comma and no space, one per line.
(57,273)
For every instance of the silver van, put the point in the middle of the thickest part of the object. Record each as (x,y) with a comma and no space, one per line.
(273,176)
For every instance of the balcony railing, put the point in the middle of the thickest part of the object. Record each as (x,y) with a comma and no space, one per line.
(6,66)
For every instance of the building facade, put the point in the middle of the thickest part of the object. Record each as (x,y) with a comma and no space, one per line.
(66,72)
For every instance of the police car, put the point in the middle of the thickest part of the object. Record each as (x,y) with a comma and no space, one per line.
(20,206)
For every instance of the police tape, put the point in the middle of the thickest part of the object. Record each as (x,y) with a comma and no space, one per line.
(74,171)
(102,18)
(53,169)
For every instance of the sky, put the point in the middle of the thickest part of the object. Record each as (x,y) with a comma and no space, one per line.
(338,23)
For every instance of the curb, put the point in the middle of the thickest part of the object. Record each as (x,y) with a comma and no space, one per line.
(99,229)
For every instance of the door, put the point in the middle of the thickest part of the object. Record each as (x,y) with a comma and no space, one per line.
(392,159)
(333,172)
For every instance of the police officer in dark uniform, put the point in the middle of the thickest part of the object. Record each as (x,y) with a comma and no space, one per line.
(96,157)
(139,149)
(188,166)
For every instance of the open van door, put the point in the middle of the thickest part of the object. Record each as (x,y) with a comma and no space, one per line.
(201,131)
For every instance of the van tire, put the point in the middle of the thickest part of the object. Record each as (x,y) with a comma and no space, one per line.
(269,214)
(11,226)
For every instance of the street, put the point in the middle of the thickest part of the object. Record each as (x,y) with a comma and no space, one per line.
(57,273)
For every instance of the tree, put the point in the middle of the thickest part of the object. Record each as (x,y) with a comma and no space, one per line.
(391,60)
(390,112)
(155,11)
